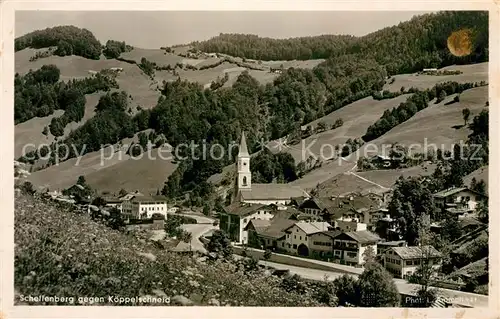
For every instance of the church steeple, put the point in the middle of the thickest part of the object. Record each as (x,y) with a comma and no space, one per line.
(243,150)
(244,174)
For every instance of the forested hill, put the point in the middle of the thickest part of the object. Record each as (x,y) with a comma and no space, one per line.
(254,47)
(407,47)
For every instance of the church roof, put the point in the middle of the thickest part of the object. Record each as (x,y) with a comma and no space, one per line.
(243,150)
(243,209)
(272,192)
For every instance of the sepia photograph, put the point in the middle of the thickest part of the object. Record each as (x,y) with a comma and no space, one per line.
(251,159)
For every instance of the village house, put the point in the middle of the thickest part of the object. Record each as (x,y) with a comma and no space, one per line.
(297,236)
(402,262)
(112,202)
(143,207)
(460,199)
(349,224)
(321,244)
(349,247)
(266,194)
(235,218)
(269,234)
(366,208)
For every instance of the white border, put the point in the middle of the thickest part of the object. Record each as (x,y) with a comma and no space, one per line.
(7,9)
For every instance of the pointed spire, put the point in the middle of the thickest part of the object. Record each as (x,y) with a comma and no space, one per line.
(243,150)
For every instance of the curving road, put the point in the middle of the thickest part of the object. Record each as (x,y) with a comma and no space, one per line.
(204,225)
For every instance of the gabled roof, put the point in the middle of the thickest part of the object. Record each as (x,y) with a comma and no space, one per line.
(341,205)
(414,252)
(272,192)
(243,209)
(311,228)
(448,192)
(361,236)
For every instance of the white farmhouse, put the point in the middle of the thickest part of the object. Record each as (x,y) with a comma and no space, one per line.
(402,262)
(143,207)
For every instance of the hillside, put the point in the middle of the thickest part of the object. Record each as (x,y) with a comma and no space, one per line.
(188,95)
(479,174)
(59,252)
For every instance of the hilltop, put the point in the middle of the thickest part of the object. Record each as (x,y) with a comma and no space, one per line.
(204,91)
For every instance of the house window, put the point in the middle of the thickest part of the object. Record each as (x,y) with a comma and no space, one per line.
(351,255)
(294,236)
(294,246)
(282,244)
(337,252)
(409,263)
(305,238)
(300,237)
(244,181)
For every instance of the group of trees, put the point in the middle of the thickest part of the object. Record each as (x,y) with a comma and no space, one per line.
(113,49)
(69,40)
(39,93)
(268,167)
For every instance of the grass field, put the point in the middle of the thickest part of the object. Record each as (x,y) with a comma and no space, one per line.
(438,124)
(109,171)
(471,73)
(347,183)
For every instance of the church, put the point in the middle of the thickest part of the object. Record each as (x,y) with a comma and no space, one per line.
(265,194)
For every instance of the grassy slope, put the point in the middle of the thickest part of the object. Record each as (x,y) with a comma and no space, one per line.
(61,253)
(479,174)
(440,124)
(471,73)
(434,123)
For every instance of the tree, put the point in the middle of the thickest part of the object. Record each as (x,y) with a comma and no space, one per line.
(267,255)
(441,96)
(28,188)
(483,211)
(99,202)
(45,131)
(207,210)
(376,288)
(466,114)
(456,99)
(220,244)
(115,219)
(425,275)
(346,290)
(187,237)
(369,255)
(81,180)
(321,126)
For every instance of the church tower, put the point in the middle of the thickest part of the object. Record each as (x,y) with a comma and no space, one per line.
(244,180)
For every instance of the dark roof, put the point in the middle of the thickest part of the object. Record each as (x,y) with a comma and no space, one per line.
(272,191)
(341,205)
(392,243)
(415,252)
(145,198)
(243,209)
(258,224)
(299,200)
(331,233)
(363,236)
(448,192)
(277,227)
